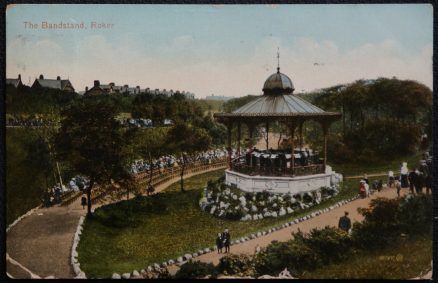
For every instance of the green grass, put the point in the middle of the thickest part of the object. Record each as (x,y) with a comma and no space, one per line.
(353,169)
(169,225)
(24,182)
(404,260)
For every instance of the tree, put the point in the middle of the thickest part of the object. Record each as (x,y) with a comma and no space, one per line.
(148,144)
(91,140)
(186,141)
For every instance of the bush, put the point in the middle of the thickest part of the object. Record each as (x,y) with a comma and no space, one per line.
(380,226)
(293,255)
(330,243)
(415,214)
(234,264)
(196,269)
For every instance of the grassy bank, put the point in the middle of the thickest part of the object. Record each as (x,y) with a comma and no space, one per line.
(405,260)
(162,227)
(353,169)
(24,181)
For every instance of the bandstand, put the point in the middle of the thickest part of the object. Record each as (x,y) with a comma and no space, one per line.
(289,171)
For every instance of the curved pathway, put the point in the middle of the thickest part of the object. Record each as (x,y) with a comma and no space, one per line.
(329,218)
(42,241)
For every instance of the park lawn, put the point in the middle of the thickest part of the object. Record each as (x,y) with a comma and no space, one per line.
(170,224)
(24,182)
(406,259)
(358,169)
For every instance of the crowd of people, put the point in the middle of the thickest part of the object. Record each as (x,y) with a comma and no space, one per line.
(277,161)
(417,179)
(169,161)
(24,123)
(53,195)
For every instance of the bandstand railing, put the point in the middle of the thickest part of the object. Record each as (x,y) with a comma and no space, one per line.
(272,171)
(159,176)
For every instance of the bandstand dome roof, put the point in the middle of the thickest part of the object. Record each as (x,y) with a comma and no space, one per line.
(278,102)
(277,84)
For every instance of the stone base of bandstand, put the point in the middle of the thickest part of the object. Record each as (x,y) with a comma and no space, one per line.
(294,185)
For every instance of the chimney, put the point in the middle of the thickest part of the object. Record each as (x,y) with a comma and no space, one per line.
(41,77)
(96,83)
(86,88)
(58,78)
(19,77)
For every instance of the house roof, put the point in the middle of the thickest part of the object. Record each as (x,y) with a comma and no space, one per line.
(50,83)
(14,82)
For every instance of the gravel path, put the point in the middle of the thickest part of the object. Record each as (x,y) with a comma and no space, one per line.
(330,218)
(42,241)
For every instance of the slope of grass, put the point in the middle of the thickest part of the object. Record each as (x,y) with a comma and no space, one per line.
(354,169)
(24,182)
(404,260)
(162,227)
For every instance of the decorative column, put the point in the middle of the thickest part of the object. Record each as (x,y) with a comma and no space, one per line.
(229,126)
(267,135)
(251,132)
(301,134)
(325,127)
(292,134)
(238,140)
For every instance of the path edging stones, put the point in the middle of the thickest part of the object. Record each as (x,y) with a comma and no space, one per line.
(74,254)
(21,217)
(181,260)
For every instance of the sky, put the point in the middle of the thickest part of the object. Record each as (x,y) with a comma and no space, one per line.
(226,50)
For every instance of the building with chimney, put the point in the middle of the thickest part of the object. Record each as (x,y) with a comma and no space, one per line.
(112,88)
(15,82)
(95,90)
(64,85)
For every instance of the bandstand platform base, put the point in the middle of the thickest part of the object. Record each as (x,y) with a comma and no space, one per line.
(282,185)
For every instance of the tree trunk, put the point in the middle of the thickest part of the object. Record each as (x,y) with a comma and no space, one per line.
(182,175)
(151,172)
(90,187)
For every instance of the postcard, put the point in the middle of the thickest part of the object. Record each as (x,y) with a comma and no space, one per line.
(254,141)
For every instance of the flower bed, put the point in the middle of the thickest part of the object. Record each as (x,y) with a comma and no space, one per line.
(231,203)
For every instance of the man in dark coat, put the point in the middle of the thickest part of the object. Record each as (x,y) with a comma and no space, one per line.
(83,201)
(427,177)
(226,240)
(345,222)
(412,180)
(418,182)
(219,243)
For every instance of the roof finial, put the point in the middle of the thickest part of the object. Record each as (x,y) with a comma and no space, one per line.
(278,59)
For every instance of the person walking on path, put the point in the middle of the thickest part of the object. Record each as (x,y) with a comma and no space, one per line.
(365,178)
(345,222)
(219,243)
(404,175)
(412,180)
(418,184)
(83,201)
(367,189)
(226,240)
(390,179)
(398,187)
(362,190)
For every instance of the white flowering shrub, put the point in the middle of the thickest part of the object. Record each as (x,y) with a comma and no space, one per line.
(231,203)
